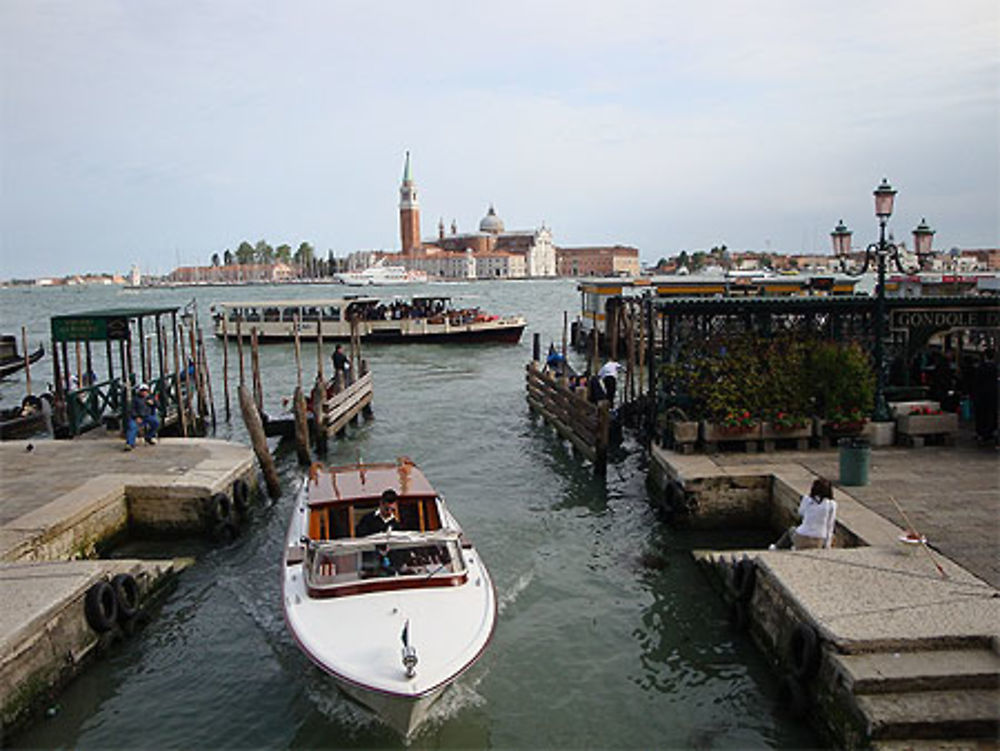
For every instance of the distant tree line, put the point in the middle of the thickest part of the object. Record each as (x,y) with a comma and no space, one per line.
(304,259)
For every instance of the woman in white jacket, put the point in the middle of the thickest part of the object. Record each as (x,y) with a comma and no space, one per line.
(819,517)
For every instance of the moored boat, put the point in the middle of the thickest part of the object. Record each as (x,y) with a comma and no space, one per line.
(10,360)
(395,616)
(420,319)
(379,274)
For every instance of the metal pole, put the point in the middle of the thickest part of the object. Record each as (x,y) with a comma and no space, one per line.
(881,413)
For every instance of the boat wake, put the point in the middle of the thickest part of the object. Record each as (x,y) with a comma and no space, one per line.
(510,595)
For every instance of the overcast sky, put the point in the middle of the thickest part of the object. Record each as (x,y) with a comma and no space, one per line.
(158,133)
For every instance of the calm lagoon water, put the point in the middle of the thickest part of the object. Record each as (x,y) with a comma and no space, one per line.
(608,635)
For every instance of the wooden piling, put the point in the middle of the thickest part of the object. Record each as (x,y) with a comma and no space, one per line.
(197,375)
(536,347)
(27,360)
(301,427)
(181,410)
(251,418)
(565,333)
(258,391)
(225,363)
(207,375)
(319,416)
(239,347)
(298,352)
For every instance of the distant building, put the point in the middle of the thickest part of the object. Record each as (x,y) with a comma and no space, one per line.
(616,260)
(233,273)
(495,252)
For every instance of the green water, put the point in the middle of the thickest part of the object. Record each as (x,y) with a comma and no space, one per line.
(608,636)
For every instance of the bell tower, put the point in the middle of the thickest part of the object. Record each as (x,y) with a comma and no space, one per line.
(409,211)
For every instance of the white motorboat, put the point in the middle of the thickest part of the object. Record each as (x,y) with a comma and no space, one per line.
(380,274)
(395,617)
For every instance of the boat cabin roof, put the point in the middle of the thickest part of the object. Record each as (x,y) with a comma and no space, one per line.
(297,303)
(366,482)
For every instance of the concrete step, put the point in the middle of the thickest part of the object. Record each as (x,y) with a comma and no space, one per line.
(932,714)
(925,670)
(937,744)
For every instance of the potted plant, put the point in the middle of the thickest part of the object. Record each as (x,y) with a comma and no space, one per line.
(783,425)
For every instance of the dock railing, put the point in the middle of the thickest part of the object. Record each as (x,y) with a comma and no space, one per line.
(585,425)
(344,406)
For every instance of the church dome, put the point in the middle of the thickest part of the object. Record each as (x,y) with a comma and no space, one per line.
(491,222)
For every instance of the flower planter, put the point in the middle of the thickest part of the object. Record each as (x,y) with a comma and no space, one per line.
(912,429)
(774,433)
(685,432)
(714,433)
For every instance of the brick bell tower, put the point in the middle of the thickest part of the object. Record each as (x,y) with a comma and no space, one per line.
(409,211)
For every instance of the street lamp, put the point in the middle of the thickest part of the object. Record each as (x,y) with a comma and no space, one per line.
(881,251)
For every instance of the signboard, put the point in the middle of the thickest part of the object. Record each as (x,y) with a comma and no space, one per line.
(89,329)
(941,319)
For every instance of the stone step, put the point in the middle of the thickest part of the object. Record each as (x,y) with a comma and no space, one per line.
(925,670)
(937,744)
(932,714)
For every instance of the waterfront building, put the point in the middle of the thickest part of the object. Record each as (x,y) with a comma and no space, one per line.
(615,260)
(232,273)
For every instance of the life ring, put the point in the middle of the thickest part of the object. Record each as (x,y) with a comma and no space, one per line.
(241,495)
(744,579)
(803,651)
(100,607)
(792,697)
(126,596)
(225,532)
(739,616)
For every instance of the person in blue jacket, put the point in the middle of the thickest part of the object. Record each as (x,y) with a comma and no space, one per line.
(142,415)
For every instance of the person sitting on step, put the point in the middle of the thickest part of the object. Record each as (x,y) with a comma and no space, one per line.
(819,518)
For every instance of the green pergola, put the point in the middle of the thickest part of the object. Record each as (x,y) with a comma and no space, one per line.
(83,397)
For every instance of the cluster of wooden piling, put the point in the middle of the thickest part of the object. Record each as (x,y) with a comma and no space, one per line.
(335,402)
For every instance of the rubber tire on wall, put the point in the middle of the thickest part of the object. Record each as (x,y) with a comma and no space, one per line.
(100,606)
(792,697)
(221,506)
(803,651)
(127,595)
(744,579)
(241,495)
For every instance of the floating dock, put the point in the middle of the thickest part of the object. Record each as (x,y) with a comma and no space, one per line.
(61,505)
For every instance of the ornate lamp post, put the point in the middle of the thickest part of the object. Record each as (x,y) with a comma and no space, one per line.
(881,251)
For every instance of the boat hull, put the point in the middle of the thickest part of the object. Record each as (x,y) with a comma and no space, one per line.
(353,623)
(392,332)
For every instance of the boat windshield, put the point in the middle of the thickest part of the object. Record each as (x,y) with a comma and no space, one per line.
(403,558)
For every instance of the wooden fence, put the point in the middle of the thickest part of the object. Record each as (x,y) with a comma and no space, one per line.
(344,406)
(584,424)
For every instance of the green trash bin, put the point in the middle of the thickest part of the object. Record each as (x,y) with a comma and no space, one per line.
(855,458)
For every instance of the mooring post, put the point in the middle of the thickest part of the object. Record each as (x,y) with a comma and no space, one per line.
(258,389)
(536,347)
(225,361)
(319,415)
(301,428)
(27,360)
(602,439)
(259,441)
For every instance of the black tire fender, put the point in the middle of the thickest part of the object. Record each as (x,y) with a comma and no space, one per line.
(126,595)
(241,495)
(803,651)
(792,697)
(100,606)
(220,507)
(744,579)
(32,401)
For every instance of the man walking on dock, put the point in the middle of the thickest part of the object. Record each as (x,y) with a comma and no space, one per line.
(609,375)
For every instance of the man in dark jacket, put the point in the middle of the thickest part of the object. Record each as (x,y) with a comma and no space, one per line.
(141,415)
(382,519)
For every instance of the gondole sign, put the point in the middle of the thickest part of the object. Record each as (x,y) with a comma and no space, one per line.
(942,319)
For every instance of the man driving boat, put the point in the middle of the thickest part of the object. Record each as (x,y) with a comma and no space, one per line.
(382,519)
